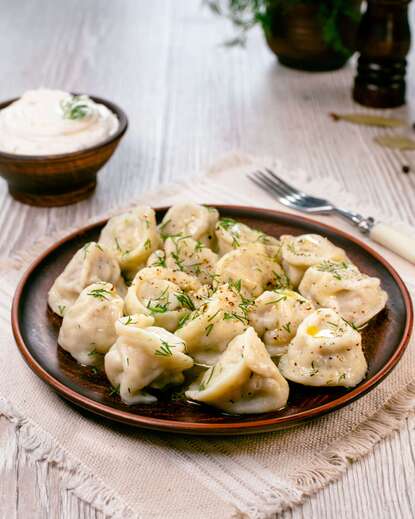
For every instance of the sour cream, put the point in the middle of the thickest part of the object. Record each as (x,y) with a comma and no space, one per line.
(49,122)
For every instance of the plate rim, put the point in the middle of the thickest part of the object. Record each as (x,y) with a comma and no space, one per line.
(247,427)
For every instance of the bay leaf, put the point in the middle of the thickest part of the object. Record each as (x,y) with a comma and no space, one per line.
(396,142)
(369,120)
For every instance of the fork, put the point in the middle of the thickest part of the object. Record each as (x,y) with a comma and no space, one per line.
(289,196)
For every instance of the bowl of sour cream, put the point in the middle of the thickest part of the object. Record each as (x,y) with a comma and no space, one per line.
(53,143)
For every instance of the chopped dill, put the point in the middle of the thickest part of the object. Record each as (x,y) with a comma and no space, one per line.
(100,293)
(208,329)
(115,390)
(76,107)
(165,349)
(287,327)
(147,244)
(185,301)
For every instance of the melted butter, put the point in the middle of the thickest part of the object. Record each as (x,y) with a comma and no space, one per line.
(313,330)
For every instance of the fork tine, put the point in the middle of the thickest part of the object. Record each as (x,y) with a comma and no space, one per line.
(282,182)
(279,189)
(269,188)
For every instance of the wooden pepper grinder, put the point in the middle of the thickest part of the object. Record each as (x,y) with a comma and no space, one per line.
(383,41)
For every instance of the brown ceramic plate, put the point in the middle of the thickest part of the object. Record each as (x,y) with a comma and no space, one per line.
(36,328)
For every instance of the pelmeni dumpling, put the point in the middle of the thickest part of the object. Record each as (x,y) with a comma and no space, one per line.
(144,356)
(88,326)
(355,296)
(132,237)
(90,264)
(253,268)
(209,329)
(276,316)
(196,221)
(326,351)
(244,380)
(300,252)
(188,255)
(231,234)
(162,293)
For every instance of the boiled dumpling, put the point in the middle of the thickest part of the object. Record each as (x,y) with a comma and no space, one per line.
(253,268)
(355,296)
(209,329)
(300,252)
(90,264)
(276,316)
(132,237)
(88,326)
(188,255)
(326,351)
(162,293)
(244,380)
(144,356)
(231,234)
(196,221)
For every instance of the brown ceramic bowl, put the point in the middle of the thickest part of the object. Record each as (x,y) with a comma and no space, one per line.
(56,180)
(36,329)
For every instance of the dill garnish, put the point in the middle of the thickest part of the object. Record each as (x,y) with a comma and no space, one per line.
(234,315)
(165,349)
(185,301)
(281,280)
(147,244)
(199,246)
(314,369)
(287,327)
(352,325)
(183,320)
(76,107)
(208,329)
(227,223)
(115,390)
(100,293)
(333,268)
(276,301)
(203,385)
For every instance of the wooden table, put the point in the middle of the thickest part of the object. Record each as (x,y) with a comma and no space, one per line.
(190,100)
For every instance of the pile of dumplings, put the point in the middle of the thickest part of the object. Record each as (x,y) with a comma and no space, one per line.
(215,304)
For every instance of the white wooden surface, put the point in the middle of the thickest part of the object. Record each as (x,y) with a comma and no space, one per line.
(190,100)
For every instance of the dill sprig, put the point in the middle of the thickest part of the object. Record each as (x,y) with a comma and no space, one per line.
(314,370)
(233,315)
(287,327)
(183,320)
(160,304)
(76,107)
(130,320)
(185,301)
(208,329)
(333,268)
(160,261)
(147,244)
(352,325)
(100,293)
(203,385)
(165,349)
(115,390)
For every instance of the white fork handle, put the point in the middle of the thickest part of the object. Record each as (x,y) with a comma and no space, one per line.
(394,240)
